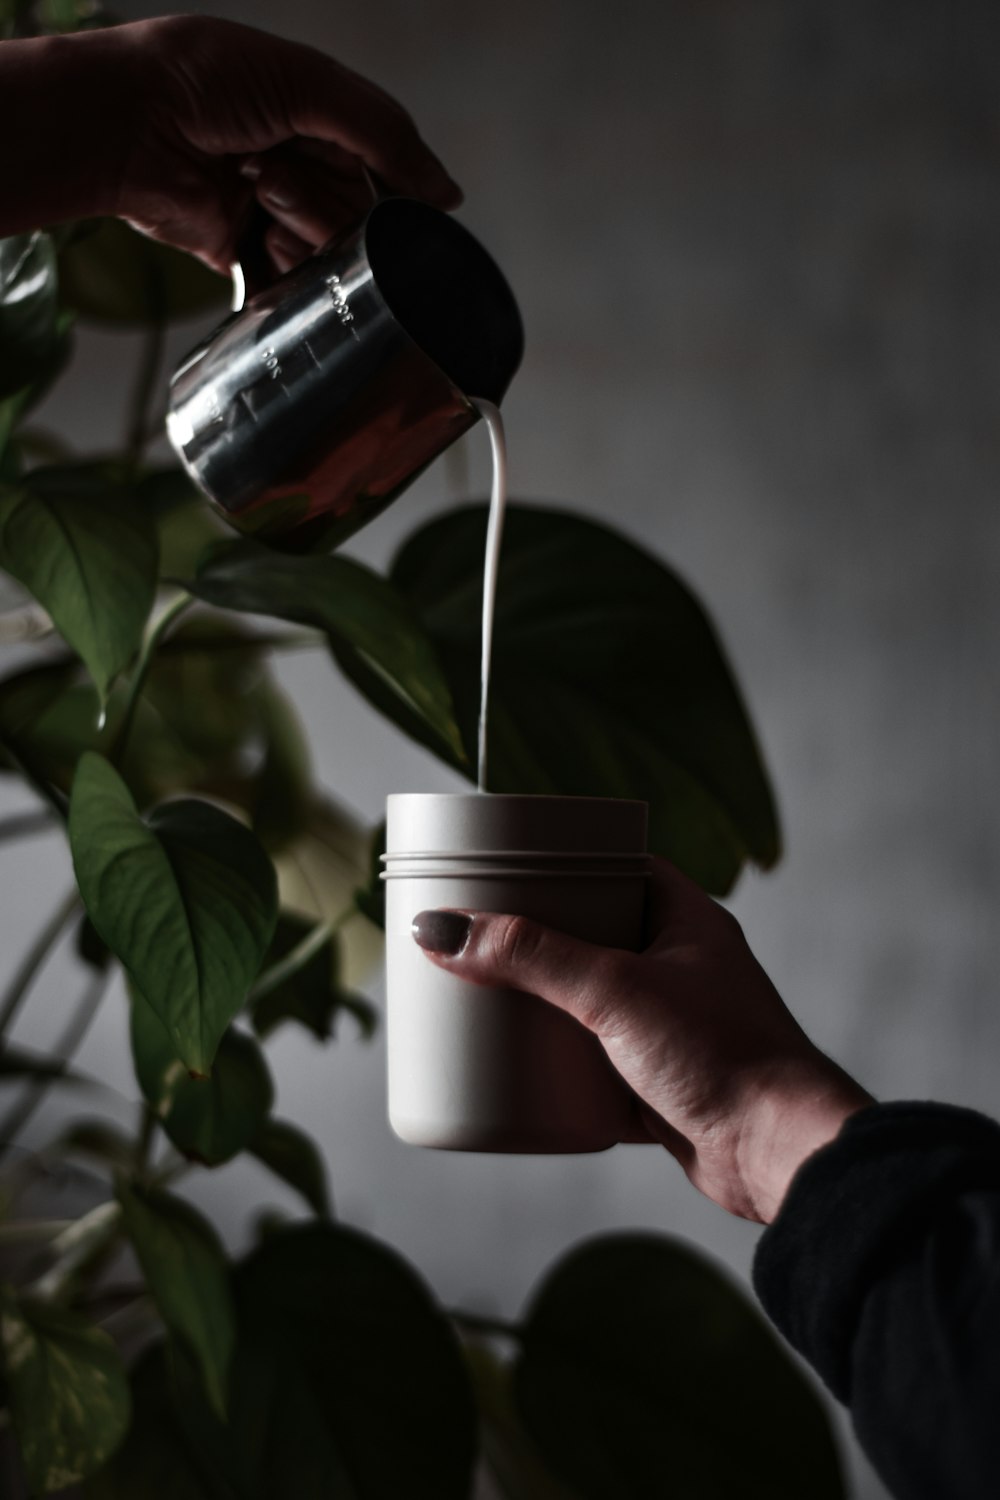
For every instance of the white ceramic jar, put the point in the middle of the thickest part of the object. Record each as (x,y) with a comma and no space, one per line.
(478,1069)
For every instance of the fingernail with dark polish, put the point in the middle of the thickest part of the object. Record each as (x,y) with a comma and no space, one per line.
(442,931)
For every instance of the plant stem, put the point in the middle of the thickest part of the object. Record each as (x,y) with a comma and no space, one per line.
(144,1143)
(29,1230)
(154,635)
(66,1048)
(34,958)
(477,1323)
(293,961)
(143,393)
(22,825)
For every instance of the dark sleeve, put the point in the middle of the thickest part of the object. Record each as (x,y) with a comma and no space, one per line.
(883,1270)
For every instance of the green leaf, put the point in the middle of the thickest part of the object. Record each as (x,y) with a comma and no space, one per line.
(31,332)
(608,680)
(187,1276)
(109,273)
(644,1371)
(293,1157)
(368,623)
(68,1392)
(185,522)
(187,902)
(209,1120)
(313,995)
(381,1395)
(318,874)
(88,557)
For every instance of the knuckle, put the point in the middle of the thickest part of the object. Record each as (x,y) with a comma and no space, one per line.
(605,1004)
(514,942)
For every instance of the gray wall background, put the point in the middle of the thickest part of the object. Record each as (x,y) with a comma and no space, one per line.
(756,247)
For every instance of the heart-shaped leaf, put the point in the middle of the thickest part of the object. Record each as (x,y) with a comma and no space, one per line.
(187,1276)
(313,994)
(69,1396)
(608,680)
(109,273)
(293,1157)
(370,627)
(344,1321)
(644,1371)
(87,556)
(187,901)
(209,1120)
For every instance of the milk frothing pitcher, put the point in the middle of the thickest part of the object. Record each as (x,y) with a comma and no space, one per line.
(307,411)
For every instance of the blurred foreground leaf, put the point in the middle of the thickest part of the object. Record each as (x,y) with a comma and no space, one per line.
(68,1393)
(346,1370)
(644,1371)
(293,1157)
(187,1276)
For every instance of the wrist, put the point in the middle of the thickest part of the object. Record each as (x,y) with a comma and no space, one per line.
(794,1111)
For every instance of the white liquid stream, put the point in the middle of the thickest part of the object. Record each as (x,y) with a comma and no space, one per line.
(494,531)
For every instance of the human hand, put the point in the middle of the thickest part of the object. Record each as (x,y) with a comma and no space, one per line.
(183,123)
(722,1074)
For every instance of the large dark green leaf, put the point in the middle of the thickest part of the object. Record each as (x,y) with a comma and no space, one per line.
(32,335)
(152,1463)
(608,680)
(644,1372)
(293,1157)
(68,1392)
(382,1401)
(209,1120)
(369,625)
(313,995)
(88,556)
(187,1276)
(109,273)
(187,901)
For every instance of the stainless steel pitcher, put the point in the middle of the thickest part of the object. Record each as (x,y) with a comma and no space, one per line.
(312,407)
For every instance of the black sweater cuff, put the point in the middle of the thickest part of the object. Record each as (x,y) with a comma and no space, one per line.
(852,1210)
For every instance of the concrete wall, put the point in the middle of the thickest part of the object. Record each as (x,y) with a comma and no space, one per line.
(756,247)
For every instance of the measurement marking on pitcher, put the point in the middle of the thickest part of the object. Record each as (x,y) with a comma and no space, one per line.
(494,531)
(338,297)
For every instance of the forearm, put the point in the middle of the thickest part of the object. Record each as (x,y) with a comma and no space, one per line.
(881,1269)
(66,113)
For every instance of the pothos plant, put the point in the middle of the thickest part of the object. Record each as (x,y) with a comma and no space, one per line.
(144,718)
